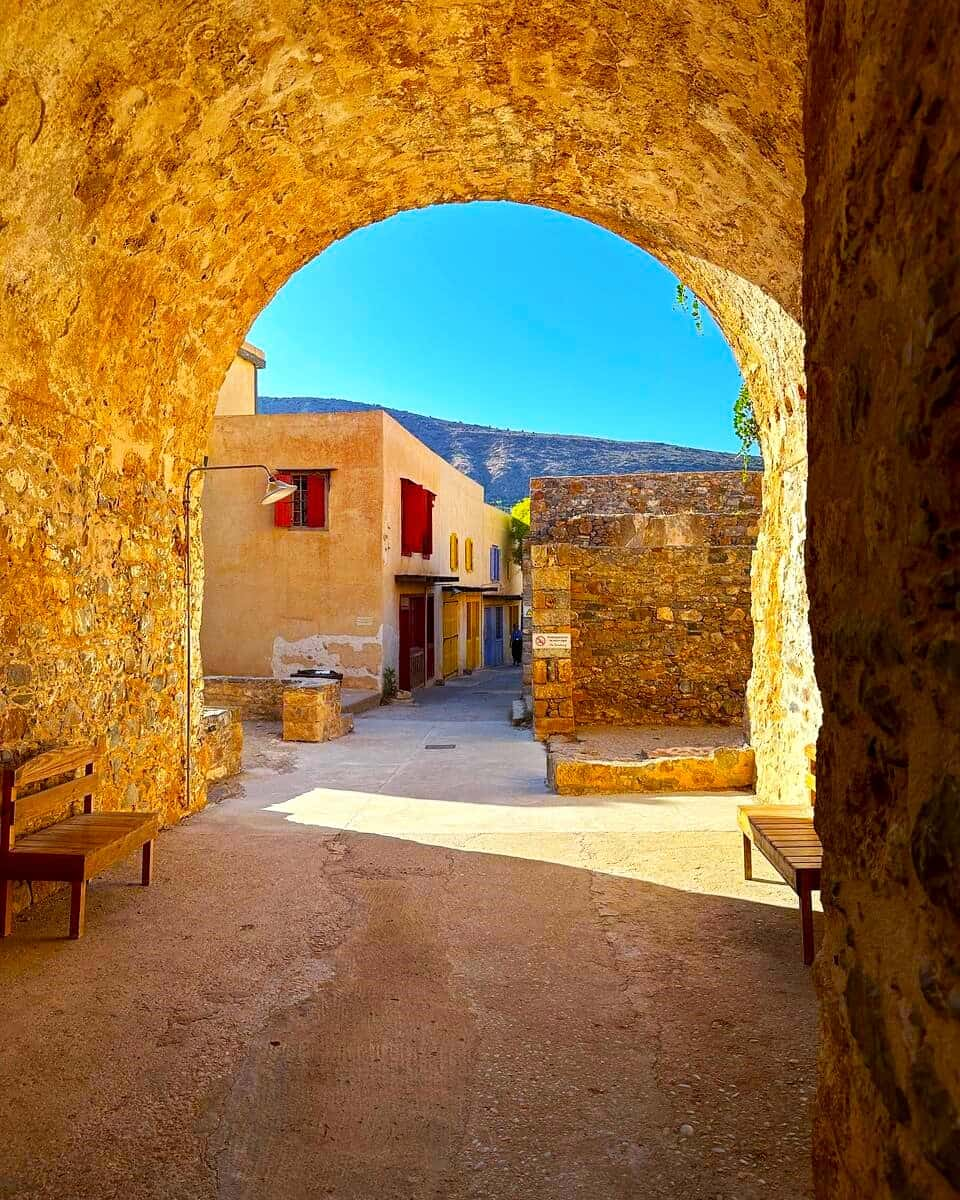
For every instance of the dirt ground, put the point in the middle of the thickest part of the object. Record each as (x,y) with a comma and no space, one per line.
(379,970)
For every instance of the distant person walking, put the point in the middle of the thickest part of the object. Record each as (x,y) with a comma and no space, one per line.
(516,646)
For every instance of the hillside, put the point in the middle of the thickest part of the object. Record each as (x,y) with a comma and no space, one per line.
(504,460)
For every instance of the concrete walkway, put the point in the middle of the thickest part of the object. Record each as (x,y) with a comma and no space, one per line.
(378,970)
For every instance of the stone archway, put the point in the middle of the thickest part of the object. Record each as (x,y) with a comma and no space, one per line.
(168,166)
(174,168)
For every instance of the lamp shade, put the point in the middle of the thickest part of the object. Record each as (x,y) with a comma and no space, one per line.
(277,490)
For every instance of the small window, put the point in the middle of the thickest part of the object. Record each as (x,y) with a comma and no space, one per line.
(307,507)
(454,552)
(468,555)
(495,563)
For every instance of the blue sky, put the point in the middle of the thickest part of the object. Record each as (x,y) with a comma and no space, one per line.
(501,314)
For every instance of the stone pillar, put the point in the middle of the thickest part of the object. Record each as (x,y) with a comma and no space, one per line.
(882,298)
(311,712)
(552,666)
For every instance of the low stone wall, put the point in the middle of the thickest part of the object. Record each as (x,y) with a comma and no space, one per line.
(311,711)
(220,750)
(725,769)
(250,697)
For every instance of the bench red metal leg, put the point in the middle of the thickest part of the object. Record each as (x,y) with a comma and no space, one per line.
(6,907)
(806,918)
(78,908)
(146,868)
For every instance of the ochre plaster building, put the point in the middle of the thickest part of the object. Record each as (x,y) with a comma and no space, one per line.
(387,557)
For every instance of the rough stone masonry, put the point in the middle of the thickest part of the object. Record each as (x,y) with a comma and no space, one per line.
(649,574)
(168,166)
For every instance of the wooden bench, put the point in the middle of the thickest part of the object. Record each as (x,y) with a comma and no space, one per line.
(73,849)
(785,835)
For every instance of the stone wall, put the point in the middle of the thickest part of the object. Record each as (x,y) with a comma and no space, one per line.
(220,750)
(882,297)
(783,700)
(565,508)
(650,575)
(661,636)
(311,712)
(251,697)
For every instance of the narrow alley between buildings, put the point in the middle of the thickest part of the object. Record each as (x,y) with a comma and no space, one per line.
(395,966)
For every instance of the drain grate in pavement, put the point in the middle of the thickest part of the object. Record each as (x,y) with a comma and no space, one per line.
(442,746)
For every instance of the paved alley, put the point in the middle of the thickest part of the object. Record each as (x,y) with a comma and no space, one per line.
(395,966)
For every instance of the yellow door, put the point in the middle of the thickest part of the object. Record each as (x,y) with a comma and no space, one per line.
(451,637)
(473,634)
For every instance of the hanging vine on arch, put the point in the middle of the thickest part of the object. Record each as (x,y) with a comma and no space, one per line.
(744,419)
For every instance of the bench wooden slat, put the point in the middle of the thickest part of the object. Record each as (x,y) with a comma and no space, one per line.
(81,833)
(55,762)
(49,798)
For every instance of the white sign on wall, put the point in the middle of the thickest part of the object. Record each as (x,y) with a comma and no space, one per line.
(527,611)
(551,641)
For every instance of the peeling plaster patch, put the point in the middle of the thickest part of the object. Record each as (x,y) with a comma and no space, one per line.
(325,650)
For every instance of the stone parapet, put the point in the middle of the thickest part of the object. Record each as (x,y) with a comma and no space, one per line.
(220,749)
(311,711)
(573,507)
(724,769)
(251,697)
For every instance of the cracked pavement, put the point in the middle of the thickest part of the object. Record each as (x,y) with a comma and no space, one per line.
(378,970)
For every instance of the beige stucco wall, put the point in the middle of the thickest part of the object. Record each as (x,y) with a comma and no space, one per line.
(496,532)
(277,599)
(459,508)
(238,392)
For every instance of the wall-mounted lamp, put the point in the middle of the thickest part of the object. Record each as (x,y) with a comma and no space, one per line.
(275,490)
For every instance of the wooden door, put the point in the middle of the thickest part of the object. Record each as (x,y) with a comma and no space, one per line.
(473,634)
(451,637)
(403,666)
(493,636)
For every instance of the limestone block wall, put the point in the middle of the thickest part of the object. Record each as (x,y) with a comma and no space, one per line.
(220,751)
(650,574)
(661,636)
(251,697)
(565,508)
(311,712)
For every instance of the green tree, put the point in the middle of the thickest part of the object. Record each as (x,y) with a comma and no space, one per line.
(519,527)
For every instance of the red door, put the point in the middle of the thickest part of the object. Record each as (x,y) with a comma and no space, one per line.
(403,674)
(413,628)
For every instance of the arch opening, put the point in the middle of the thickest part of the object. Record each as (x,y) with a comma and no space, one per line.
(783,700)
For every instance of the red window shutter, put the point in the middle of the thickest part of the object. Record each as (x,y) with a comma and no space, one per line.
(316,501)
(407,516)
(428,499)
(283,509)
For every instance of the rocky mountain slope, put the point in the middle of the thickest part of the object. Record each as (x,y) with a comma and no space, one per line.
(504,460)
